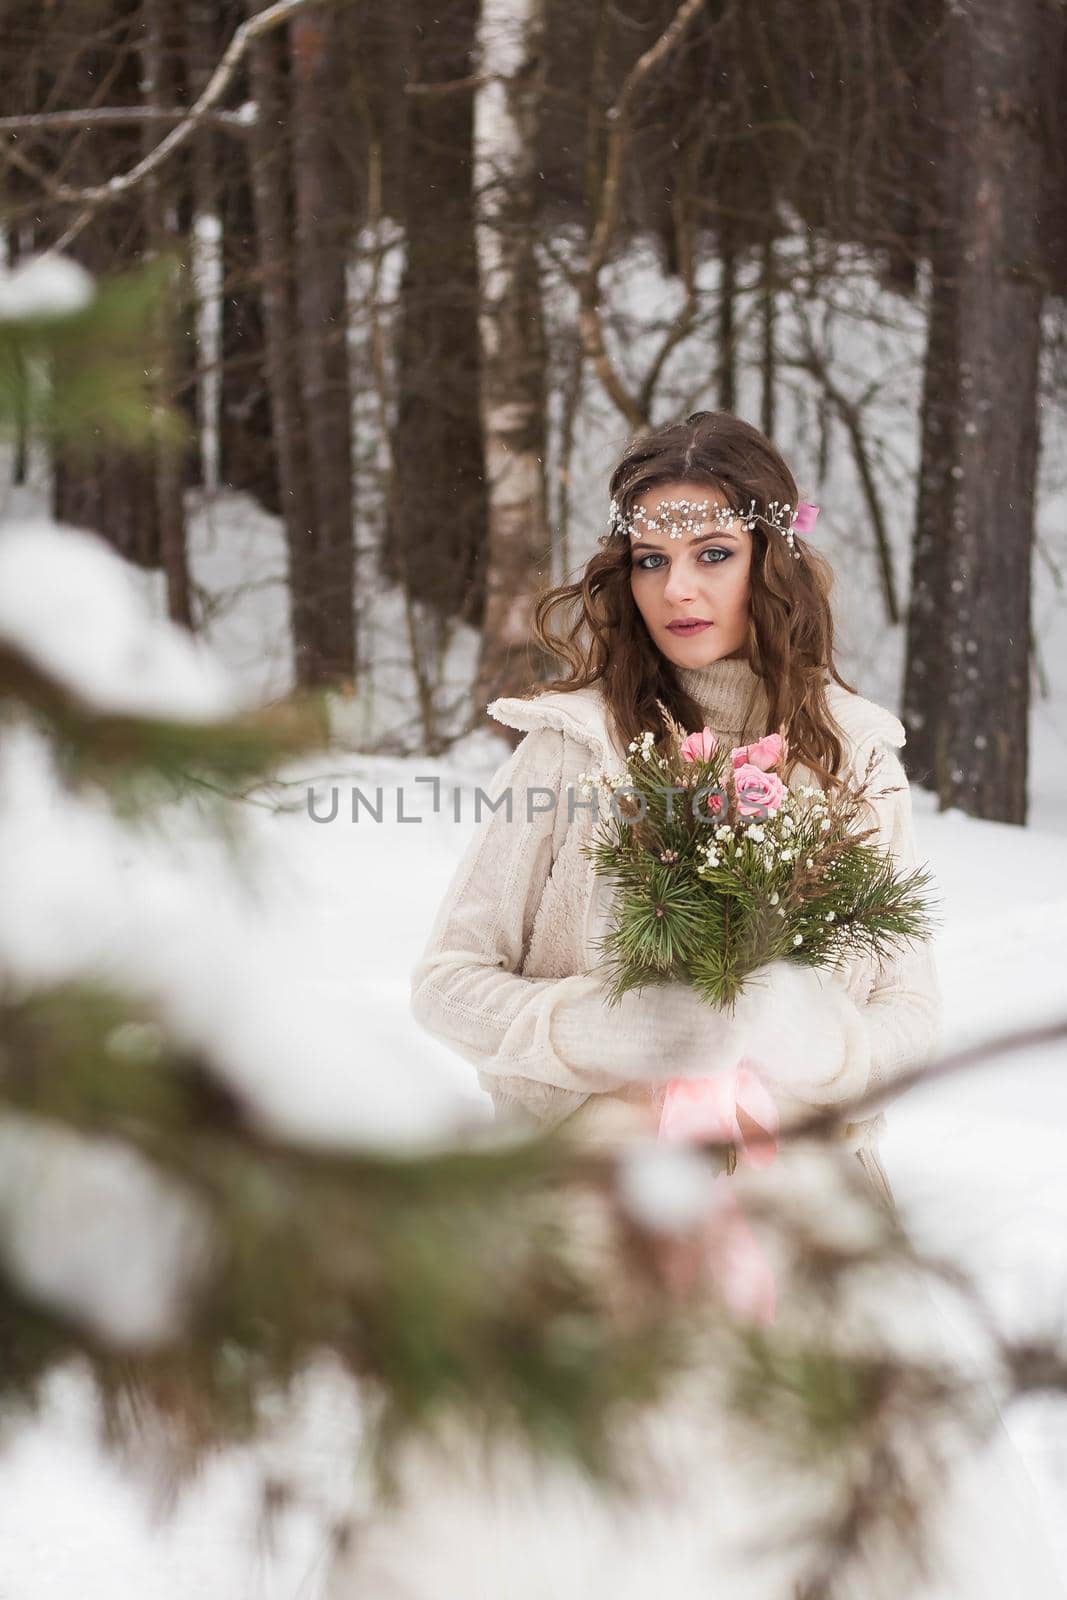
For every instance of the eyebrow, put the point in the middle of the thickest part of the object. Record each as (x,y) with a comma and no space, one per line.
(642,544)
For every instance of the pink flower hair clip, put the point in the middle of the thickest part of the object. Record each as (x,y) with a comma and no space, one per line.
(789,522)
(804,521)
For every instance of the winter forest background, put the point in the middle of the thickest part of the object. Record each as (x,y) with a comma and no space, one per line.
(322,325)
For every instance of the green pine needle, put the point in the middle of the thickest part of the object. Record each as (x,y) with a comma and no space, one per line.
(676,917)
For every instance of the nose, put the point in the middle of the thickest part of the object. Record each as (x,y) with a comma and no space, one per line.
(681,582)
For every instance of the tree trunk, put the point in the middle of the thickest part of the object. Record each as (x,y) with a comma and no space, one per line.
(247,456)
(768,327)
(726,377)
(436,539)
(995,56)
(513,344)
(924,668)
(111,490)
(268,154)
(323,220)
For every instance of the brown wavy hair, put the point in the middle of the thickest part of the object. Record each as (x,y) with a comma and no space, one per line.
(790,630)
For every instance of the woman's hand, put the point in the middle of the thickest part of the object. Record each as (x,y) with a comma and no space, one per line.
(807,1034)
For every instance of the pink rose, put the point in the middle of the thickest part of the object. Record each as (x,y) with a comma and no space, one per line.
(700,746)
(715,804)
(758,792)
(765,753)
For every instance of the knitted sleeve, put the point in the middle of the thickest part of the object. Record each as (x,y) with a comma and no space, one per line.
(543,1043)
(904,1013)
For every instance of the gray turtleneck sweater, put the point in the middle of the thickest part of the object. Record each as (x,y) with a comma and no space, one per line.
(732,698)
(735,704)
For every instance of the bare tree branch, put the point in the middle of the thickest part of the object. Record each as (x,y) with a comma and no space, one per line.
(850,412)
(682,325)
(468,85)
(117,117)
(1014,1042)
(107,193)
(619,118)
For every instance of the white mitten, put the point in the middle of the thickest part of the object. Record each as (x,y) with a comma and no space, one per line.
(808,1038)
(661,1031)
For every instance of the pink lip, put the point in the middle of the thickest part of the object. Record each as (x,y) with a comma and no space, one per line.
(691,625)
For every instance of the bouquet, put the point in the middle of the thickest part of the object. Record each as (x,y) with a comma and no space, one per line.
(719,868)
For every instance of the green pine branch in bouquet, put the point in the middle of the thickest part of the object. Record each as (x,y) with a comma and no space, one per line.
(718,870)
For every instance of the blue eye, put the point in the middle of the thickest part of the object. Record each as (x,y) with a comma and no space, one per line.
(712,550)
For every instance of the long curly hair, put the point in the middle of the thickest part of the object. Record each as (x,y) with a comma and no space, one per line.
(603,638)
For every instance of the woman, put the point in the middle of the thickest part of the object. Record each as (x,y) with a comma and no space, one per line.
(702,598)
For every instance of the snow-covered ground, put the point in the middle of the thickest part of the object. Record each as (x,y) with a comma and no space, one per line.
(313,967)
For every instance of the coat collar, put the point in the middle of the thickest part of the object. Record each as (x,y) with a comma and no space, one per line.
(583,714)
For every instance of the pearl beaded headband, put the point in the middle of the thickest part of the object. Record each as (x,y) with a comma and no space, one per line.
(680,517)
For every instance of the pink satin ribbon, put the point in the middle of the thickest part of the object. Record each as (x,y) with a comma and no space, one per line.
(732,1106)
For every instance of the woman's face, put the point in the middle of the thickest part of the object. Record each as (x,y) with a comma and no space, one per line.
(702,576)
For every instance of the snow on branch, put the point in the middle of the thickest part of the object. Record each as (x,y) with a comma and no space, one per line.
(70,604)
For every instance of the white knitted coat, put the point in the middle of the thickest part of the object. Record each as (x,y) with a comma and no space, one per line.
(509,974)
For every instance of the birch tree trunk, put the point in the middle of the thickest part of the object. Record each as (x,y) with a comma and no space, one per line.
(202,50)
(507,116)
(159,48)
